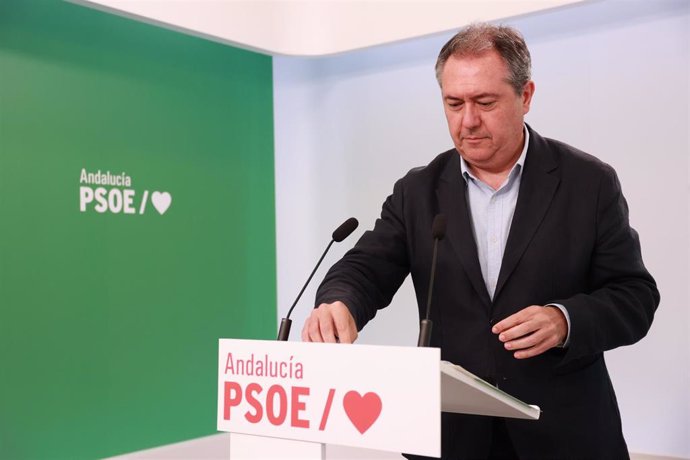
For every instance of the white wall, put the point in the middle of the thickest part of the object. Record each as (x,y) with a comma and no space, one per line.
(612,79)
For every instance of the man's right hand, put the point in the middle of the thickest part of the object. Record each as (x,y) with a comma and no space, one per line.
(331,323)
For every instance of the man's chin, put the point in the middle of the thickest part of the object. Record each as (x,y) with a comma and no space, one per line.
(474,155)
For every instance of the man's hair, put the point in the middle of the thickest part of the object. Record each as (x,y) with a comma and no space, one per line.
(477,39)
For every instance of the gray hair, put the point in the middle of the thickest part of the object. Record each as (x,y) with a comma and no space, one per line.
(480,38)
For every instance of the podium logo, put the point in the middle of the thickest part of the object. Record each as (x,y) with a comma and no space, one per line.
(106,192)
(161,201)
(362,411)
(263,390)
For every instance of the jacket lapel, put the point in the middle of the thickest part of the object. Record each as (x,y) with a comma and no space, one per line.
(452,198)
(537,188)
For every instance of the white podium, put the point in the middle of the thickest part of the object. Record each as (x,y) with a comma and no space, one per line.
(287,400)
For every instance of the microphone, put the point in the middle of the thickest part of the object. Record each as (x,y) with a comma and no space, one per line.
(339,234)
(345,230)
(438,231)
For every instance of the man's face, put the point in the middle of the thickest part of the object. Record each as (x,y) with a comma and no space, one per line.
(484,114)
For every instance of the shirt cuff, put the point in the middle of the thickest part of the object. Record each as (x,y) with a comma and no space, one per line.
(563,310)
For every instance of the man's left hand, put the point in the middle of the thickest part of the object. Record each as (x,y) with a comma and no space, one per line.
(532,330)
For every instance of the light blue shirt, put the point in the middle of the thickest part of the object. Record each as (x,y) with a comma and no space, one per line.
(491,212)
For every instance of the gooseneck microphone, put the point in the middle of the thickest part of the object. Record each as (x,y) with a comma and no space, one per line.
(340,233)
(438,231)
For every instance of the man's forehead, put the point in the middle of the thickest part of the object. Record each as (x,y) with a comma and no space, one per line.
(472,64)
(458,88)
(474,75)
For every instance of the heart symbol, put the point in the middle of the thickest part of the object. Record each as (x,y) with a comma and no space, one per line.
(362,410)
(161,201)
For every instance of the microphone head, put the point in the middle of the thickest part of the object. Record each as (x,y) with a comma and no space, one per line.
(438,228)
(345,229)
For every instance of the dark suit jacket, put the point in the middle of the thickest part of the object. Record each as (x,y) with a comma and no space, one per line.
(570,243)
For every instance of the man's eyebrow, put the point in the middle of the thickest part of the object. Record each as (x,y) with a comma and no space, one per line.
(486,95)
(474,97)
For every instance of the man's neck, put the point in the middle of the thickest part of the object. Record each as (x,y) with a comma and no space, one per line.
(495,178)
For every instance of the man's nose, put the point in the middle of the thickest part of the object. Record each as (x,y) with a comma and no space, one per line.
(470,117)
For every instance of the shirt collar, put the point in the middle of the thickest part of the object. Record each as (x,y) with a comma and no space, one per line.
(464,167)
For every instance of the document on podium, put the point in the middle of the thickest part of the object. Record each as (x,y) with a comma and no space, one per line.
(465,393)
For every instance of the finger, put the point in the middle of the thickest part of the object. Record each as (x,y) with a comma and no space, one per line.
(531,352)
(517,331)
(542,326)
(343,322)
(305,328)
(330,323)
(347,331)
(326,327)
(543,332)
(534,344)
(315,333)
(305,333)
(525,342)
(515,319)
(311,330)
(506,323)
(314,328)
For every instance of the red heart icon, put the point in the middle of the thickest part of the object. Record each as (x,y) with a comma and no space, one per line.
(362,410)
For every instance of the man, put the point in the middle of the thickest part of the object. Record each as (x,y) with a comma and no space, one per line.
(538,275)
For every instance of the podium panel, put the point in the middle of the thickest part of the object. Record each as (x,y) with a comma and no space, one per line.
(377,397)
(250,447)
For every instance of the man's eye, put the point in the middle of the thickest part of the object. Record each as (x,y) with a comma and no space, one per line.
(486,103)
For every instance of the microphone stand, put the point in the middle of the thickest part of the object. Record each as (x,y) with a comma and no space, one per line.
(286,323)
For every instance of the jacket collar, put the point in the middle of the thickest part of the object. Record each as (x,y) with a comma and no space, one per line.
(537,188)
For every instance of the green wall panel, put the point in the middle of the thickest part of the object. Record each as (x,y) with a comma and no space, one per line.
(109,321)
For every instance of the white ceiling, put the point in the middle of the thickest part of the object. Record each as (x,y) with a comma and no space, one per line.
(316,27)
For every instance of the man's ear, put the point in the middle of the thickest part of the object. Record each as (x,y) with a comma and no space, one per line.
(527,93)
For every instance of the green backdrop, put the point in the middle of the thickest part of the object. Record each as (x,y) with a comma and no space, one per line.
(109,321)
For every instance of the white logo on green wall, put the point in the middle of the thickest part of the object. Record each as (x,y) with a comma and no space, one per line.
(106,192)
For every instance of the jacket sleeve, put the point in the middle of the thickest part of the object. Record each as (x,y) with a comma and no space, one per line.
(368,276)
(619,308)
